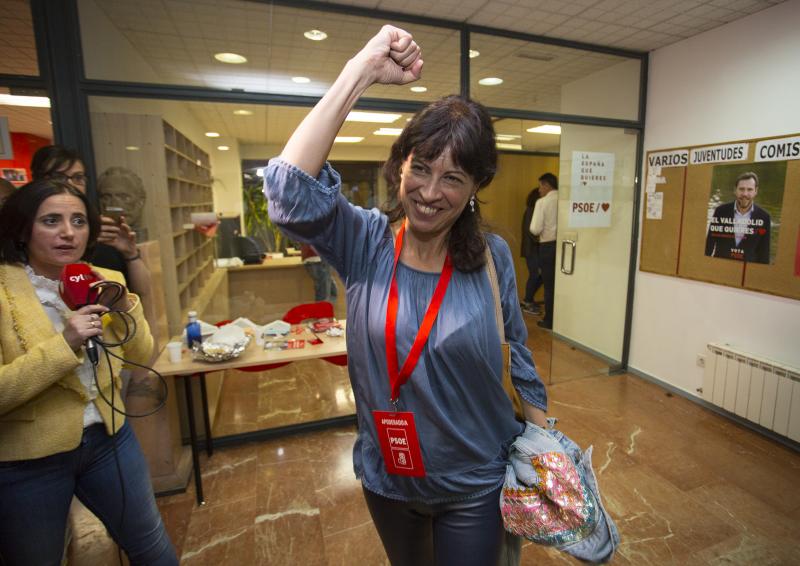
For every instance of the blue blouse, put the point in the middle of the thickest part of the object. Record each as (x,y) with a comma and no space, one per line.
(464,419)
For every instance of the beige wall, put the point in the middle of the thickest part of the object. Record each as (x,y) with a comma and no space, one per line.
(226,168)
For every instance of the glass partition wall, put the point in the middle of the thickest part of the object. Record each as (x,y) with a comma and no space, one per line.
(25,121)
(525,75)
(195,99)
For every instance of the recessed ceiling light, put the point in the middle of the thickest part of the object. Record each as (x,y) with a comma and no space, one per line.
(212,134)
(243,112)
(223,147)
(474,53)
(347,139)
(377,117)
(232,58)
(509,146)
(315,35)
(507,137)
(490,81)
(32,101)
(545,129)
(132,147)
(388,132)
(419,89)
(301,80)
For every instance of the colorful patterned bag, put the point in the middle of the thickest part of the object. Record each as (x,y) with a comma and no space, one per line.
(550,496)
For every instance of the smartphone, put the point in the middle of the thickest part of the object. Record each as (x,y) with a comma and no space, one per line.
(115,213)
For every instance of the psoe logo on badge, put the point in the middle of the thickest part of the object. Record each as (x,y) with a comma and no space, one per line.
(402,459)
(398,443)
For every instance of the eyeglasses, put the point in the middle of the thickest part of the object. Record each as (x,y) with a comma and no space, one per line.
(75,178)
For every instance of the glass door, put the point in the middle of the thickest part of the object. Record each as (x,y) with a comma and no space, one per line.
(593,243)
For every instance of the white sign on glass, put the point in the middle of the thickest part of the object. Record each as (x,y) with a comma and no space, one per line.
(592,189)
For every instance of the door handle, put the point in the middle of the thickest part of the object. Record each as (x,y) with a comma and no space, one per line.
(564,244)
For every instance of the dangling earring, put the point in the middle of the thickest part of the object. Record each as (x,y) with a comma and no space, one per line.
(472,203)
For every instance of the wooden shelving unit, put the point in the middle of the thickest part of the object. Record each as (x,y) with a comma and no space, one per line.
(177,178)
(189,186)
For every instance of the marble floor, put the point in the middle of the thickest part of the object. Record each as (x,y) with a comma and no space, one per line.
(684,485)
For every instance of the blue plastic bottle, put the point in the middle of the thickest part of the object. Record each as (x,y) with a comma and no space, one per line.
(193,334)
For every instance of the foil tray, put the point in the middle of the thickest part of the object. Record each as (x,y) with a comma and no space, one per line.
(218,352)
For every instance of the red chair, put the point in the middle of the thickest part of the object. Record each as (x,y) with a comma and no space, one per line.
(321,309)
(296,315)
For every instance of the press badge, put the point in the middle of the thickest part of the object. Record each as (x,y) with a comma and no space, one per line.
(397,434)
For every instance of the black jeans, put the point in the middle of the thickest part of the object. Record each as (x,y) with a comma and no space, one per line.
(462,533)
(547,263)
(534,277)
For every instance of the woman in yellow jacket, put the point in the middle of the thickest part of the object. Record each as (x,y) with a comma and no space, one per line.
(58,436)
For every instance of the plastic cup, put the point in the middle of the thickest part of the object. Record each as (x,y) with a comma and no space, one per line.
(174,349)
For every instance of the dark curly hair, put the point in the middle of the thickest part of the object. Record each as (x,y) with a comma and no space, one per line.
(19,212)
(52,159)
(465,128)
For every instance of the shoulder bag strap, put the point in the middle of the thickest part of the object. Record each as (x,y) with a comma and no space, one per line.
(508,385)
(498,308)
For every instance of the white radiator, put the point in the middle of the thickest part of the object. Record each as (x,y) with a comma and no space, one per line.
(755,388)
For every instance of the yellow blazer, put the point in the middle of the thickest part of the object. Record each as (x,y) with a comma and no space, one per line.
(41,397)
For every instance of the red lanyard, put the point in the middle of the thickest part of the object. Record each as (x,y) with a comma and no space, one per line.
(397,379)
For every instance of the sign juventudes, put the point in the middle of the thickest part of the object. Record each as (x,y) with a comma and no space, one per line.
(719,153)
(592,189)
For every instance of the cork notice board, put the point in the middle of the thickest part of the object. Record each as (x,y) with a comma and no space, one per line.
(727,213)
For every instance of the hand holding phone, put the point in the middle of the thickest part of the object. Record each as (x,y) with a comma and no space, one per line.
(115,213)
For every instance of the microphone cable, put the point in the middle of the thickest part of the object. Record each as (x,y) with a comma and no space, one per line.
(116,292)
(130,330)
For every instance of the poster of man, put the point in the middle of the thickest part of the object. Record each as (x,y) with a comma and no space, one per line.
(746,228)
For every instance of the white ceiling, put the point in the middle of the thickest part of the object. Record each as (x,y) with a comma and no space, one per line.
(176,39)
(641,25)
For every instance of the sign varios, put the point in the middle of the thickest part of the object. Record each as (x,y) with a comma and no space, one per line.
(592,189)
(675,158)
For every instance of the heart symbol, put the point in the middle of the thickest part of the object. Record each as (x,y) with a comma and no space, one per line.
(762,231)
(605,206)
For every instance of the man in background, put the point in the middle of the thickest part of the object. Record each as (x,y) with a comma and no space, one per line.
(740,229)
(529,249)
(543,224)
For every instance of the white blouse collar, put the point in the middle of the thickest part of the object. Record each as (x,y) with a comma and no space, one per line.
(46,289)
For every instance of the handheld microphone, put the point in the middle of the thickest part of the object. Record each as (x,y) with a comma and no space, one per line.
(76,292)
(75,286)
